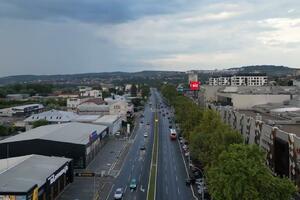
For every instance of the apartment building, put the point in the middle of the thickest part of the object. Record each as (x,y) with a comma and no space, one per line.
(257,79)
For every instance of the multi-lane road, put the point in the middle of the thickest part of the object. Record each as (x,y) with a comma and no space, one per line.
(137,163)
(171,172)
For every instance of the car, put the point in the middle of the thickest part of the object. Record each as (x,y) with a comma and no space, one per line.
(148,123)
(143,147)
(132,185)
(142,122)
(118,193)
(170,126)
(145,134)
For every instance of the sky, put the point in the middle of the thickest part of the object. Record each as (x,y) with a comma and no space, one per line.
(79,36)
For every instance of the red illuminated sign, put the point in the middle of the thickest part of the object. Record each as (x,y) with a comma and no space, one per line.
(194,85)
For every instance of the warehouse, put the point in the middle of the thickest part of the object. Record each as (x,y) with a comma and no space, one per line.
(34,177)
(113,122)
(79,141)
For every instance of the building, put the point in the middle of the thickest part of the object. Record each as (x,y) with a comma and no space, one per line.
(192,76)
(21,111)
(247,97)
(72,103)
(94,106)
(89,92)
(113,122)
(119,105)
(275,130)
(16,97)
(120,108)
(34,177)
(79,141)
(255,79)
(52,116)
(128,87)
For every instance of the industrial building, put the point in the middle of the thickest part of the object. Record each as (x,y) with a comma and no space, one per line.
(34,177)
(21,111)
(78,141)
(245,97)
(113,122)
(51,116)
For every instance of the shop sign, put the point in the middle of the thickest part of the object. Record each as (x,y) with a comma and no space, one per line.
(54,177)
(93,136)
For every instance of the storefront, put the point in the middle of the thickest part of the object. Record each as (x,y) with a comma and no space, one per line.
(48,185)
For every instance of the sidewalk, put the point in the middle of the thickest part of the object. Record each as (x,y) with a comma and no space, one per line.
(106,162)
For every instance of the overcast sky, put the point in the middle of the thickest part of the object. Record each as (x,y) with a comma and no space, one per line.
(75,36)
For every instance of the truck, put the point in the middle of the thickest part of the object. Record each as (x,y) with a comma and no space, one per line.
(173,134)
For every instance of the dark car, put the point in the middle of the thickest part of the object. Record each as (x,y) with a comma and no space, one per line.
(143,147)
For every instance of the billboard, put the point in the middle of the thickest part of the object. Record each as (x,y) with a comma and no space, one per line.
(194,85)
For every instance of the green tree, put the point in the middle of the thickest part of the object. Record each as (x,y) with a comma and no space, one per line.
(145,90)
(241,173)
(3,130)
(133,90)
(41,122)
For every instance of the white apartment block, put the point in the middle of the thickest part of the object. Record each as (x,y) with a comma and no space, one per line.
(240,80)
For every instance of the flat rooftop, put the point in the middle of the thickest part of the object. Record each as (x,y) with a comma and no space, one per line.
(290,128)
(20,174)
(73,132)
(107,119)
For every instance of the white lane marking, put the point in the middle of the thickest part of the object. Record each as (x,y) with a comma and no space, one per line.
(178,190)
(110,191)
(125,189)
(140,177)
(176,178)
(166,189)
(128,178)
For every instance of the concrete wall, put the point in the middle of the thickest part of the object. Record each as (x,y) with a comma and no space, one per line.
(247,101)
(210,92)
(263,135)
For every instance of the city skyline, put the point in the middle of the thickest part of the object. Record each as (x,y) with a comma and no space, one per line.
(66,37)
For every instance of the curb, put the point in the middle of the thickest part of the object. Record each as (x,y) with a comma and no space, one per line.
(193,192)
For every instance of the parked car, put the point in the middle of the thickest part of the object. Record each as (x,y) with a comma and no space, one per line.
(145,134)
(118,193)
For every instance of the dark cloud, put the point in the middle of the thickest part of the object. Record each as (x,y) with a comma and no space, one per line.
(93,11)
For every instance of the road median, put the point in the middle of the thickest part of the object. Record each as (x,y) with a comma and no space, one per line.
(151,193)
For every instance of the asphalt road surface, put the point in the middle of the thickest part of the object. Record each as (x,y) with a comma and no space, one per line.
(171,174)
(171,170)
(137,163)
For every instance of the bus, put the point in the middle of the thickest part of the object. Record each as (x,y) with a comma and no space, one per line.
(173,134)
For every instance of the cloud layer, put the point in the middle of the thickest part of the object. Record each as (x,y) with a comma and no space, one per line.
(71,36)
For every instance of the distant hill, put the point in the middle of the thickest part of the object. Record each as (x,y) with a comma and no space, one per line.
(270,70)
(98,77)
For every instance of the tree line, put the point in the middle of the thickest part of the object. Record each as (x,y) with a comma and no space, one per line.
(233,170)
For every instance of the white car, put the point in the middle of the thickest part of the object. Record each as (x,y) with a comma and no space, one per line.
(145,134)
(118,193)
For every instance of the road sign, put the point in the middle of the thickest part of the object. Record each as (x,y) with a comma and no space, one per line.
(85,174)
